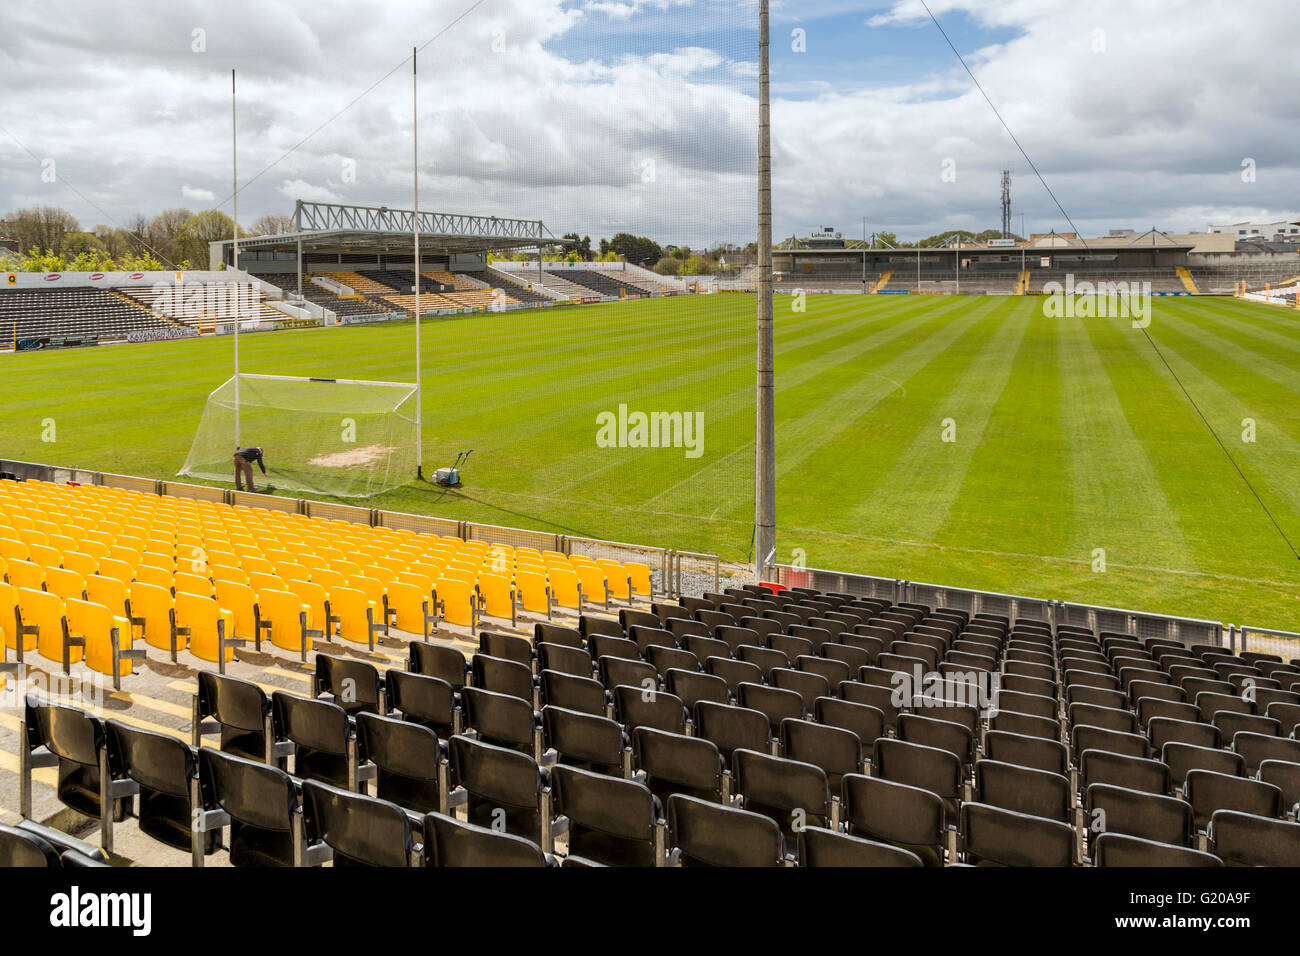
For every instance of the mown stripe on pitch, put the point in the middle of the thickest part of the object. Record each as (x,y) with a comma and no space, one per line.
(915,496)
(1120,504)
(1216,510)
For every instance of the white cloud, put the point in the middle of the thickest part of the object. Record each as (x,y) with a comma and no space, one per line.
(298,189)
(1153,130)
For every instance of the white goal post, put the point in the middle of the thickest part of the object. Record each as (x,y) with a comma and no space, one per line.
(339,437)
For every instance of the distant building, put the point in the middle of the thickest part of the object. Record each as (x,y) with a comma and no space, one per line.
(1286,230)
(8,245)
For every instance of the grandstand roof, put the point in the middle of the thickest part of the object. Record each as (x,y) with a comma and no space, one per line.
(327,227)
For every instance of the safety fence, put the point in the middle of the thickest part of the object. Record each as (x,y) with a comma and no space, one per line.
(667,566)
(1140,624)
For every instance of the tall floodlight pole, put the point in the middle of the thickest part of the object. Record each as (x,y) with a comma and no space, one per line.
(765,437)
(234,178)
(415,219)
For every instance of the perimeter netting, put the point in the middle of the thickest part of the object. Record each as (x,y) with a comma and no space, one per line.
(340,438)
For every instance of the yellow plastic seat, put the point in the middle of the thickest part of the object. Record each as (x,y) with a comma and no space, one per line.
(25,574)
(410,604)
(151,607)
(328,578)
(82,564)
(457,602)
(152,559)
(106,638)
(290,619)
(533,592)
(358,617)
(110,592)
(497,596)
(192,584)
(594,584)
(375,591)
(241,601)
(222,572)
(564,588)
(639,574)
(11,620)
(119,570)
(66,584)
(617,579)
(44,612)
(45,556)
(208,626)
(315,597)
(13,549)
(157,577)
(265,582)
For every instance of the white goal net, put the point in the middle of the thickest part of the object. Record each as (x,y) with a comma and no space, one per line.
(336,437)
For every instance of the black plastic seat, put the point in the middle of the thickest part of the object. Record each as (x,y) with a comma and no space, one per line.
(873,695)
(1241,839)
(631,671)
(896,814)
(1027,751)
(836,751)
(792,793)
(19,848)
(501,788)
(439,660)
(865,722)
(1183,758)
(565,660)
(939,771)
(503,676)
(241,710)
(359,830)
(664,659)
(261,805)
(1122,770)
(635,707)
(998,837)
(425,700)
(670,763)
(819,847)
(765,658)
(452,842)
(588,741)
(1120,849)
(731,727)
(502,719)
(612,821)
(74,742)
(703,833)
(508,647)
(694,686)
(356,686)
(544,633)
(166,771)
(1038,793)
(1112,809)
(319,737)
(734,672)
(808,684)
(583,694)
(1209,792)
(411,762)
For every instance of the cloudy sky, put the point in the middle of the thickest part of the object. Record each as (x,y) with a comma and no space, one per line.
(607,115)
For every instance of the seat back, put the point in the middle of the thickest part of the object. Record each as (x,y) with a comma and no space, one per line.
(361,830)
(451,842)
(704,833)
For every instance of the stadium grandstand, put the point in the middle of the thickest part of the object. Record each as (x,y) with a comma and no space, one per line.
(403,688)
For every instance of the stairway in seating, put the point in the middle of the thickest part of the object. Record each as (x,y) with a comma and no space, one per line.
(884,280)
(1188,282)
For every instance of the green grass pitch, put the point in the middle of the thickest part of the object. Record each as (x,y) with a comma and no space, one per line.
(1072,442)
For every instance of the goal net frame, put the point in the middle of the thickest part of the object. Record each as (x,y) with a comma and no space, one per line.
(354,443)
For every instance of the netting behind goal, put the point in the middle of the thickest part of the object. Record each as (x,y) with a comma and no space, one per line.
(332,437)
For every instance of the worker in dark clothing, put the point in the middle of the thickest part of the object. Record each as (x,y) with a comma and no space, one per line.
(244,459)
